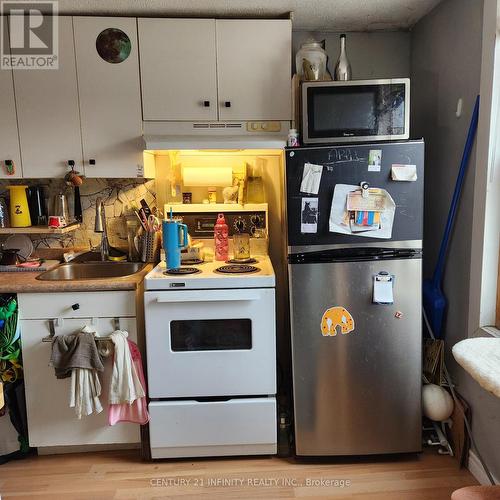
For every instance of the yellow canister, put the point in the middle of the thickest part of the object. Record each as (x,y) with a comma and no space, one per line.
(18,207)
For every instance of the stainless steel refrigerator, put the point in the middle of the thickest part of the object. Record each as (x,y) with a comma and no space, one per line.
(355,296)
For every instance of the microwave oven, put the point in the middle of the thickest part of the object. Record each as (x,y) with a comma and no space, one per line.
(355,111)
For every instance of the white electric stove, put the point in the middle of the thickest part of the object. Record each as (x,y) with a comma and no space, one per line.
(211,351)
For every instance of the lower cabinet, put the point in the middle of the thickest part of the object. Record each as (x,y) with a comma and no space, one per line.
(51,422)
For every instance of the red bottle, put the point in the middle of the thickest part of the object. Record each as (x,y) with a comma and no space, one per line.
(221,238)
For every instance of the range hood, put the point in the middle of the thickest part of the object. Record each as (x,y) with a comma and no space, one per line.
(215,135)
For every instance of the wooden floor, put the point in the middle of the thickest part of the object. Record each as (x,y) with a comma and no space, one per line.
(121,474)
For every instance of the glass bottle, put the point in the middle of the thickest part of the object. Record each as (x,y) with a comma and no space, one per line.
(343,67)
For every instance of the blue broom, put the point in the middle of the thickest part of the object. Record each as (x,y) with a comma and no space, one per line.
(433,296)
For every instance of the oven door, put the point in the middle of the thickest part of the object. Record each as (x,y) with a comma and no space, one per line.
(355,111)
(209,343)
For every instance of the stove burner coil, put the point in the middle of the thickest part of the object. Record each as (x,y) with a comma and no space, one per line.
(242,261)
(237,269)
(192,262)
(182,270)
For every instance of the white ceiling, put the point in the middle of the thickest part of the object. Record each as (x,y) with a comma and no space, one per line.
(320,15)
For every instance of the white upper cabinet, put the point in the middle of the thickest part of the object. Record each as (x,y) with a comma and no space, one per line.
(9,135)
(178,69)
(48,114)
(206,69)
(107,60)
(254,69)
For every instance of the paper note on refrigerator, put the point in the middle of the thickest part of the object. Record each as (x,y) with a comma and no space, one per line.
(347,208)
(383,288)
(309,215)
(406,173)
(311,178)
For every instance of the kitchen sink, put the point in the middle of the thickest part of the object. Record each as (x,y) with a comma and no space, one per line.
(91,271)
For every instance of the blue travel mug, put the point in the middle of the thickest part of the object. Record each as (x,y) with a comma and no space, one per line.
(175,238)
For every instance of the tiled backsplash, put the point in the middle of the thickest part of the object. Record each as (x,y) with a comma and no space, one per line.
(119,195)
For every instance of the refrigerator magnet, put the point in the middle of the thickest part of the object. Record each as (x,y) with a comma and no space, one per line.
(309,215)
(336,319)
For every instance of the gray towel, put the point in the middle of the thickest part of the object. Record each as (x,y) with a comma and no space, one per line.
(77,350)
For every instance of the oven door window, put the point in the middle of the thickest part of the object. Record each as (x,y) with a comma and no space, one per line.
(356,110)
(211,335)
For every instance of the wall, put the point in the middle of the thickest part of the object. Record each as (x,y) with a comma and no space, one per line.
(446,48)
(372,55)
(485,235)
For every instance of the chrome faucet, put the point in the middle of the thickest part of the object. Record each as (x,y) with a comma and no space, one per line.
(100,227)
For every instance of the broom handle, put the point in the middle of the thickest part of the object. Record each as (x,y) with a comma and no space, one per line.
(438,271)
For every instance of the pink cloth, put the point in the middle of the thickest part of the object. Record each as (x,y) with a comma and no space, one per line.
(137,412)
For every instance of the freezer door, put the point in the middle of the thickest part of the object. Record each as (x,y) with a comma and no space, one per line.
(350,165)
(356,393)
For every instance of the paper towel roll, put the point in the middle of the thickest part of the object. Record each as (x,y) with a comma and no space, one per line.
(208,176)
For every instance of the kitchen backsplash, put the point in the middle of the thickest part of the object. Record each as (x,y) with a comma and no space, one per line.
(118,195)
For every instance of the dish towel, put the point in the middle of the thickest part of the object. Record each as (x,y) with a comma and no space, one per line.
(76,356)
(125,385)
(77,350)
(136,412)
(85,391)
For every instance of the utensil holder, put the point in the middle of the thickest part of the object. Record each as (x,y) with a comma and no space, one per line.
(150,247)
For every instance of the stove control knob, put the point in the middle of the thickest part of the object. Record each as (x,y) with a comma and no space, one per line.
(256,220)
(239,224)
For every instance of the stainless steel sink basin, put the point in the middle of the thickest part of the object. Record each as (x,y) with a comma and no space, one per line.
(91,271)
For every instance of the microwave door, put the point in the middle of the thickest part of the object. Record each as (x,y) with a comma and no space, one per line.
(355,111)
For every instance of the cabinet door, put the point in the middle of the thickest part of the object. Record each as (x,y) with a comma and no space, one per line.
(107,60)
(254,69)
(51,422)
(48,114)
(178,69)
(9,134)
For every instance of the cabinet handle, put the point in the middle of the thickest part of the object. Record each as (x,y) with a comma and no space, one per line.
(92,161)
(206,104)
(227,104)
(75,307)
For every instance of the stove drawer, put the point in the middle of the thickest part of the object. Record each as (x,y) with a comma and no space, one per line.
(191,428)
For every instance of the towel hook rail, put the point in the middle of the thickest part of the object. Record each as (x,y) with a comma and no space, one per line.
(56,322)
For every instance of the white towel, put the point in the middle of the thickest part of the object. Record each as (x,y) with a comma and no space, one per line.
(125,384)
(85,391)
(481,358)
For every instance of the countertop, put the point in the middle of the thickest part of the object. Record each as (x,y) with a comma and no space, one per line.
(25,282)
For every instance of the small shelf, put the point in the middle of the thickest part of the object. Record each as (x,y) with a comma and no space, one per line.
(40,229)
(214,207)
